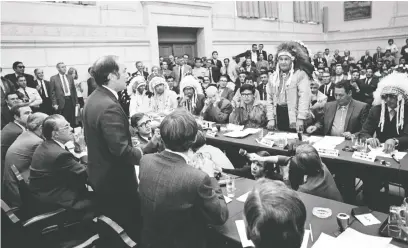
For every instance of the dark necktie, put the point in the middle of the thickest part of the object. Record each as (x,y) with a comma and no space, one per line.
(25,92)
(65,84)
(181,73)
(264,92)
(210,76)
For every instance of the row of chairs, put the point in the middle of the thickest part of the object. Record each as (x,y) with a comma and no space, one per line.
(36,225)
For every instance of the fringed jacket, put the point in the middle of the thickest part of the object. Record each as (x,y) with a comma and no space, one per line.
(250,116)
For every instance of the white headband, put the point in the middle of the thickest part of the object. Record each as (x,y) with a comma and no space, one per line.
(286,53)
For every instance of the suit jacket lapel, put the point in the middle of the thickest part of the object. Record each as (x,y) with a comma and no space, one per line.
(330,119)
(349,112)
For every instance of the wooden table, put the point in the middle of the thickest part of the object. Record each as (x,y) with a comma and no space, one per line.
(328,226)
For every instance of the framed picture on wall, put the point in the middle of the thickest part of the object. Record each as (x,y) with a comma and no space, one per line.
(356,10)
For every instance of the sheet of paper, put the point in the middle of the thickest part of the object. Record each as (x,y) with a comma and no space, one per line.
(378,152)
(237,134)
(329,142)
(233,127)
(368,219)
(352,238)
(242,234)
(243,197)
(274,136)
(252,130)
(227,199)
(305,241)
(324,241)
(312,139)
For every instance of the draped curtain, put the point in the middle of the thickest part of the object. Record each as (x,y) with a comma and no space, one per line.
(257,9)
(306,11)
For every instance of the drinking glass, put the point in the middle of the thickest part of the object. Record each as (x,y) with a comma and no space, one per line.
(404,222)
(261,134)
(230,186)
(394,222)
(281,142)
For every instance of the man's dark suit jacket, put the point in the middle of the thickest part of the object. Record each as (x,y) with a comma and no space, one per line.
(356,116)
(56,177)
(262,91)
(9,87)
(337,58)
(29,78)
(6,116)
(390,131)
(377,56)
(91,85)
(8,135)
(248,54)
(199,104)
(57,91)
(111,158)
(177,202)
(46,105)
(264,53)
(316,62)
(365,61)
(20,155)
(367,89)
(330,93)
(216,71)
(227,93)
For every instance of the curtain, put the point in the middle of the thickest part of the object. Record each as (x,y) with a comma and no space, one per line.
(306,11)
(257,9)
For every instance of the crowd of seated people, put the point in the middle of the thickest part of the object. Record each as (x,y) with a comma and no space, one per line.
(327,95)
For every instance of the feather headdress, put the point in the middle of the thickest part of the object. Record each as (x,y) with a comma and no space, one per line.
(395,84)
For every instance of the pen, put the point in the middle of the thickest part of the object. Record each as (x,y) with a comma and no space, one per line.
(395,158)
(311,232)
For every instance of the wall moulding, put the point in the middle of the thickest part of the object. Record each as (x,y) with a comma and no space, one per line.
(364,35)
(12,43)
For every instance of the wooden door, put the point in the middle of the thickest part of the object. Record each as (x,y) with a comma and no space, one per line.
(177,50)
(165,50)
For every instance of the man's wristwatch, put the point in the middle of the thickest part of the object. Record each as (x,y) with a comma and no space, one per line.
(396,142)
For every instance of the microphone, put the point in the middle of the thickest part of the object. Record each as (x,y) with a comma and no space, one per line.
(242,152)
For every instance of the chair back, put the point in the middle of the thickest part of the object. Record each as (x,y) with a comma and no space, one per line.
(11,228)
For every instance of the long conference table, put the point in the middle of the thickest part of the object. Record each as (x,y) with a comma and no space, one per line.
(395,172)
(329,226)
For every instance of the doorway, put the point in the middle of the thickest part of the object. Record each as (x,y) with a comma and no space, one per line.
(177,41)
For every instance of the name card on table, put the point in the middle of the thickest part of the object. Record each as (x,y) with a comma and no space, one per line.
(211,133)
(265,142)
(328,152)
(364,156)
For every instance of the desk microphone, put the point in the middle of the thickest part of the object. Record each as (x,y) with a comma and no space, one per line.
(395,158)
(242,152)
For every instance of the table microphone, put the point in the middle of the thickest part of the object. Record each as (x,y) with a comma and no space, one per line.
(242,152)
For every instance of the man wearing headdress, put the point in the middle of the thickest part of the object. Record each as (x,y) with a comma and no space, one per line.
(289,88)
(191,97)
(164,101)
(387,118)
(140,98)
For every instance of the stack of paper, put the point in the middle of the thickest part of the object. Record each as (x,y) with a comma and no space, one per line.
(276,136)
(329,142)
(233,127)
(378,152)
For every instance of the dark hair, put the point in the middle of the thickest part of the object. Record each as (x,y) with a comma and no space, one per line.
(20,76)
(254,45)
(35,70)
(71,71)
(274,215)
(243,72)
(214,52)
(103,67)
(200,140)
(178,130)
(227,59)
(344,84)
(49,125)
(226,77)
(326,49)
(305,162)
(245,87)
(269,167)
(169,76)
(11,93)
(263,73)
(90,70)
(15,64)
(390,40)
(15,110)
(198,59)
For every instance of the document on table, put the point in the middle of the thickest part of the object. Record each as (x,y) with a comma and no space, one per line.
(233,127)
(243,197)
(275,136)
(227,199)
(305,241)
(367,219)
(252,130)
(378,152)
(242,234)
(329,142)
(324,241)
(351,238)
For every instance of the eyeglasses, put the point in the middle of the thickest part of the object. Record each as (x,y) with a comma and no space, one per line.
(224,81)
(144,124)
(246,94)
(386,96)
(21,66)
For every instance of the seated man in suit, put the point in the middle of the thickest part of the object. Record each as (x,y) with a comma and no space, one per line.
(273,206)
(378,55)
(20,154)
(191,97)
(366,58)
(19,68)
(251,54)
(388,119)
(11,100)
(141,124)
(343,117)
(216,108)
(223,90)
(13,129)
(327,87)
(368,86)
(31,95)
(356,87)
(56,177)
(178,201)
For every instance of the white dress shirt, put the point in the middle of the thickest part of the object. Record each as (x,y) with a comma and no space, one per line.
(254,56)
(32,94)
(68,93)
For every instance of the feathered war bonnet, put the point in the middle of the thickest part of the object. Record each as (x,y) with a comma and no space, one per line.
(136,81)
(191,82)
(298,55)
(394,84)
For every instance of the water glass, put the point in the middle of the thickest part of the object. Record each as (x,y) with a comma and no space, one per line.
(261,134)
(394,222)
(230,186)
(404,222)
(281,142)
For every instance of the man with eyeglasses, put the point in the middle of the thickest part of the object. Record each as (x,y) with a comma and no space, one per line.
(142,124)
(216,108)
(56,177)
(19,68)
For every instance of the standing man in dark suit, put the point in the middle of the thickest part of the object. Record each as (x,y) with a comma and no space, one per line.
(216,64)
(19,68)
(320,59)
(20,154)
(252,54)
(261,51)
(366,58)
(13,129)
(343,117)
(44,89)
(63,94)
(327,87)
(378,55)
(368,86)
(111,156)
(262,86)
(179,72)
(56,177)
(140,70)
(178,200)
